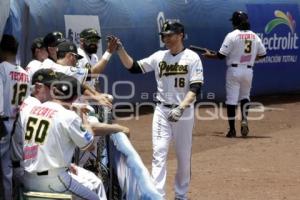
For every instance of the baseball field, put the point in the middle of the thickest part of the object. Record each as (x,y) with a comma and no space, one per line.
(265,165)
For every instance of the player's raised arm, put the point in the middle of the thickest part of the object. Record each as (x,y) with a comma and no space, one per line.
(125,58)
(111,47)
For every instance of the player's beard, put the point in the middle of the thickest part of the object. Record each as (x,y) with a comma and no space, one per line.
(90,49)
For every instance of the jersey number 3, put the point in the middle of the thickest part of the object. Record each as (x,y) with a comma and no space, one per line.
(248,46)
(37,127)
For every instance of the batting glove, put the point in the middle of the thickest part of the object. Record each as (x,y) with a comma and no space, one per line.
(175,114)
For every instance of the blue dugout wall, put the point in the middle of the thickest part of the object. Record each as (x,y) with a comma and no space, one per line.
(206,22)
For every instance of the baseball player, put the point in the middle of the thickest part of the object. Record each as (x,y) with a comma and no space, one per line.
(14,87)
(52,132)
(39,54)
(50,41)
(41,82)
(179,76)
(241,48)
(89,40)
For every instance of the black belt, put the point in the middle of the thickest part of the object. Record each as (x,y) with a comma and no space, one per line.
(236,65)
(44,173)
(4,118)
(16,164)
(167,105)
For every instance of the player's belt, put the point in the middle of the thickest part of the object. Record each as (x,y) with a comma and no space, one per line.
(236,65)
(167,105)
(52,171)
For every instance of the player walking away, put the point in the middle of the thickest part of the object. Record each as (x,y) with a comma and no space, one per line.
(39,54)
(241,48)
(179,76)
(14,87)
(52,133)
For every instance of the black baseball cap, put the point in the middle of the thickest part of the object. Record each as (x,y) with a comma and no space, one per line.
(9,44)
(44,76)
(67,87)
(53,39)
(37,43)
(90,33)
(68,46)
(171,27)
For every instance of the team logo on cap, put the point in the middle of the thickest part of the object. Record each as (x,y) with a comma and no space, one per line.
(40,77)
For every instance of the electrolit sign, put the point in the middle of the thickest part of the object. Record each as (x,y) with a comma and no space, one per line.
(276,24)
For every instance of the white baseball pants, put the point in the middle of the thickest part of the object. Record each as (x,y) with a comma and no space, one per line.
(84,185)
(163,132)
(238,84)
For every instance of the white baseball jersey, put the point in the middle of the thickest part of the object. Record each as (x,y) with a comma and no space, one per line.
(241,47)
(173,74)
(32,67)
(17,138)
(79,73)
(14,87)
(86,63)
(52,133)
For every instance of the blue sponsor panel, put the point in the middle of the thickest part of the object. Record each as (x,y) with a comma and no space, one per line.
(206,22)
(276,24)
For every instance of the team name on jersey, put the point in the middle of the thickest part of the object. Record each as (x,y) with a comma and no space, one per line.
(247,36)
(42,111)
(19,76)
(171,69)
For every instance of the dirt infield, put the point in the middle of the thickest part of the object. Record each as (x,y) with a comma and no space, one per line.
(265,165)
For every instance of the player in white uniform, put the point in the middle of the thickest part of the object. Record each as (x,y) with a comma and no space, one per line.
(241,47)
(14,87)
(89,39)
(40,85)
(50,42)
(179,76)
(39,54)
(52,133)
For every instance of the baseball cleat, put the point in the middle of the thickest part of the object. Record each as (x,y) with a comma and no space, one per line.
(244,128)
(231,133)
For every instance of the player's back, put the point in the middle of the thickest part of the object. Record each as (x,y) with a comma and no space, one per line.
(47,143)
(244,47)
(52,133)
(15,87)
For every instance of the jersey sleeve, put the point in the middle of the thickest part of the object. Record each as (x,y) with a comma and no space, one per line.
(261,48)
(196,75)
(79,135)
(148,64)
(226,45)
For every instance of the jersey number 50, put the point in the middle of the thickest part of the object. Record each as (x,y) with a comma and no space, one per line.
(37,127)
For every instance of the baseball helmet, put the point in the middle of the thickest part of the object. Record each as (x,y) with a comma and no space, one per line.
(239,17)
(169,27)
(53,39)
